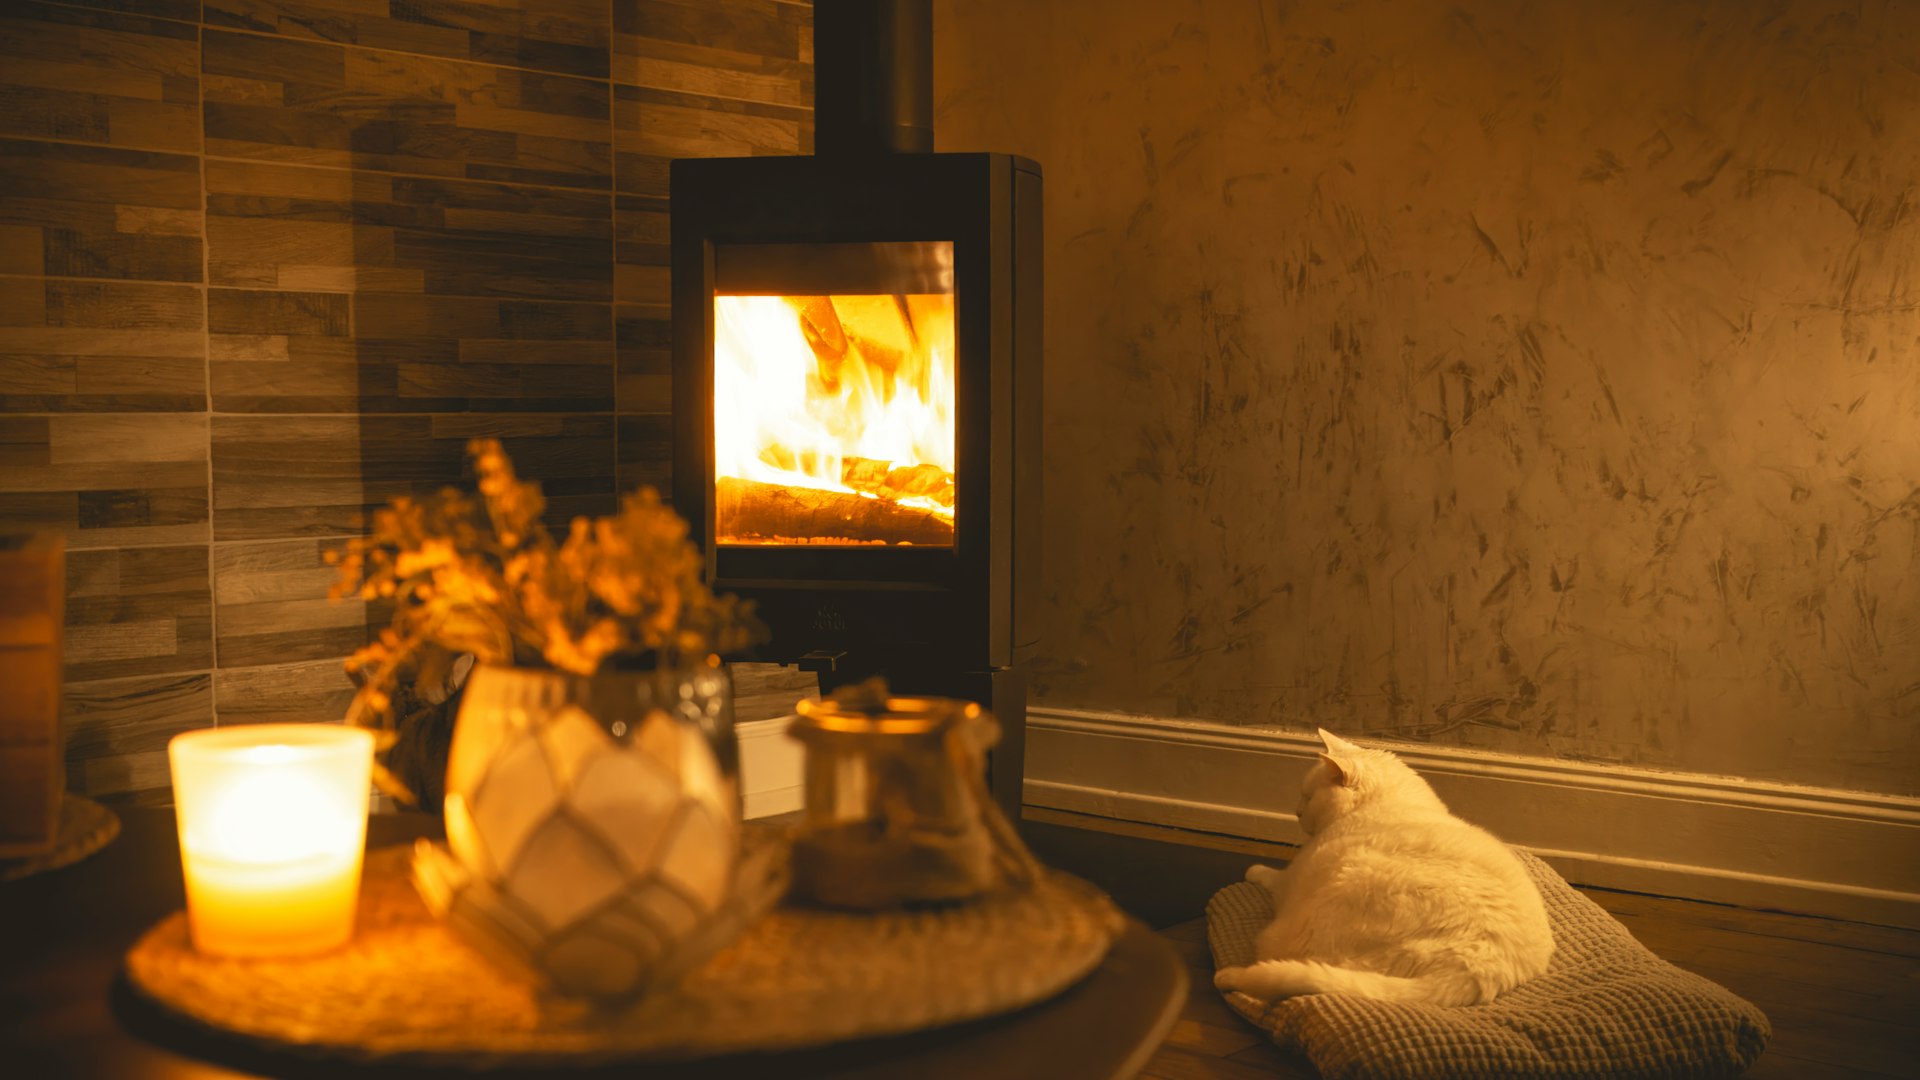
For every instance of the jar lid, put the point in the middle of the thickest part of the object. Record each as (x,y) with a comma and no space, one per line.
(869,709)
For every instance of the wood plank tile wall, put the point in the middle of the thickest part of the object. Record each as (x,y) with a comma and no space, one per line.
(690,79)
(267,263)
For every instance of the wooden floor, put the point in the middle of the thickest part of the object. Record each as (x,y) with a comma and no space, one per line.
(1844,998)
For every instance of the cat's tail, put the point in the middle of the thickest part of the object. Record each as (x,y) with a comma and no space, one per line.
(1270,979)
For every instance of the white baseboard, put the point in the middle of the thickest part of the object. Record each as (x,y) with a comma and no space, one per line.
(1818,851)
(772,777)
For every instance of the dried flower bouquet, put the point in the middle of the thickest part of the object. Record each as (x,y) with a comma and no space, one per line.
(484,577)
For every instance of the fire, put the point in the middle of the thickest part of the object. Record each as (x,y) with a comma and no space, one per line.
(834,418)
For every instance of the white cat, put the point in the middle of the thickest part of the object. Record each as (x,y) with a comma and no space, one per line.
(1392,897)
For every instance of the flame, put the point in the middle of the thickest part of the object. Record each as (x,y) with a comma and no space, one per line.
(810,390)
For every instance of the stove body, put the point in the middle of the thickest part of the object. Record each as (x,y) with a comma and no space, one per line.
(857,386)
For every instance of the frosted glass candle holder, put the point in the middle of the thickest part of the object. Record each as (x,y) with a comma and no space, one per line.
(273,825)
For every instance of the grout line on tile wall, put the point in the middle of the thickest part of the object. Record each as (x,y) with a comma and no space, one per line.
(613,257)
(206,359)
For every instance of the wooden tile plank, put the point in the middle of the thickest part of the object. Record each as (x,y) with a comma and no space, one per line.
(80,478)
(637,174)
(117,732)
(106,479)
(758,27)
(267,249)
(312,65)
(643,391)
(643,226)
(644,395)
(711,72)
(279,477)
(75,381)
(569,454)
(317,690)
(278,312)
(97,212)
(646,452)
(642,281)
(93,177)
(155,123)
(103,342)
(771,82)
(122,305)
(566,36)
(183,10)
(148,255)
(156,221)
(282,351)
(125,440)
(458,353)
(271,603)
(644,124)
(269,223)
(121,509)
(121,80)
(645,332)
(156,515)
(529,321)
(643,96)
(371,109)
(157,618)
(31,65)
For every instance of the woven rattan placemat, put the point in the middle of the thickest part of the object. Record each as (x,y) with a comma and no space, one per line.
(85,827)
(406,990)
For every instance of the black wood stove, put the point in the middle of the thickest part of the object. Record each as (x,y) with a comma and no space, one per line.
(856,384)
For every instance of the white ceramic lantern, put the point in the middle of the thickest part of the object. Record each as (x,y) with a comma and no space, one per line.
(593,825)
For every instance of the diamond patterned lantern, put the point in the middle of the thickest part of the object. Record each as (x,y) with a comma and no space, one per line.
(593,826)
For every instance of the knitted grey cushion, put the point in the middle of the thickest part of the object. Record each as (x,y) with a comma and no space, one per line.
(1606,1008)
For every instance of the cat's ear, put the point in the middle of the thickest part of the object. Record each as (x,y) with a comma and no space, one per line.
(1338,772)
(1337,745)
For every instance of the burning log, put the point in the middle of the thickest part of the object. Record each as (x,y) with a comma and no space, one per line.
(820,325)
(748,511)
(882,479)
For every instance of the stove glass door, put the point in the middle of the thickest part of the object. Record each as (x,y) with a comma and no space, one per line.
(833,394)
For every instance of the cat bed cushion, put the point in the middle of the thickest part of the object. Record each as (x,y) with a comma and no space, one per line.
(1606,1007)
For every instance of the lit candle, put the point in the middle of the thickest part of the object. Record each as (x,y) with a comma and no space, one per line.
(273,824)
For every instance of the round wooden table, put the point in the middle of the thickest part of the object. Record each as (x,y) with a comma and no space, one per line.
(65,1012)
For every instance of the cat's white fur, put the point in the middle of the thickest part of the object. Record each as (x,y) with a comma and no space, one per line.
(1392,897)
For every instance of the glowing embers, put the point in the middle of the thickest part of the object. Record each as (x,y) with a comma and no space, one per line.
(833,419)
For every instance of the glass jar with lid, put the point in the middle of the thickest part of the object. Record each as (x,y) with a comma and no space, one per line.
(897,809)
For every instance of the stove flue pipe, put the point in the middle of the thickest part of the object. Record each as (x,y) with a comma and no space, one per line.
(873,77)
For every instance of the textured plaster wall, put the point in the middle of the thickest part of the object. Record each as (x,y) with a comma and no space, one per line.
(1541,376)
